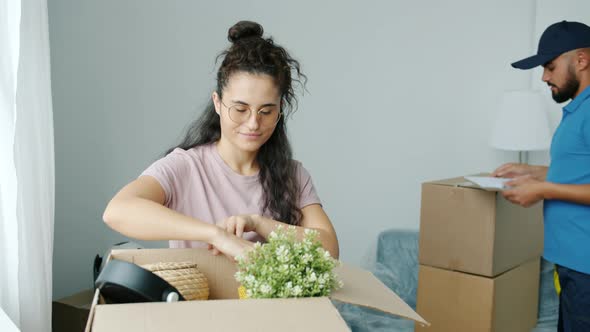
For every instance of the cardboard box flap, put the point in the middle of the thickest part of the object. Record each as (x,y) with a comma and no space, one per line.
(224,315)
(95,301)
(82,300)
(454,182)
(458,181)
(363,288)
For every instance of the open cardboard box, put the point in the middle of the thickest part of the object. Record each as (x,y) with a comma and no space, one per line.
(225,312)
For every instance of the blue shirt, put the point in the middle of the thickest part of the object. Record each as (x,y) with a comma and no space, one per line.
(567,224)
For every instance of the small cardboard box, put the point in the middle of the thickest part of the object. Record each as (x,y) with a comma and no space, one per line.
(468,229)
(224,312)
(70,314)
(456,301)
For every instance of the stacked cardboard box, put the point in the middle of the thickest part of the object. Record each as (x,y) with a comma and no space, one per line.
(479,259)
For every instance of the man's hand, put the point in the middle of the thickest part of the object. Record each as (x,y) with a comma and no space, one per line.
(514,170)
(525,191)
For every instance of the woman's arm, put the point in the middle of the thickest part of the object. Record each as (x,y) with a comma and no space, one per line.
(137,211)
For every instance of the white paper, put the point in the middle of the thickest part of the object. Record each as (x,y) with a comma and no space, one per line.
(488,182)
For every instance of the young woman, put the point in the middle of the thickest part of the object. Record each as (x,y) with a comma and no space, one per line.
(232,180)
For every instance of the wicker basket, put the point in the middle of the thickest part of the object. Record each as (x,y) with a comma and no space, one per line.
(184,276)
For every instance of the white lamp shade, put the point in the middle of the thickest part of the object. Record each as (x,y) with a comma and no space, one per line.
(521,123)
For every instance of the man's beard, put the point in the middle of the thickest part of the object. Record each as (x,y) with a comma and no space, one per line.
(568,90)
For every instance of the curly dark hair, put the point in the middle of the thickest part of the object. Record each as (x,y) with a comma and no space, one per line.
(251,53)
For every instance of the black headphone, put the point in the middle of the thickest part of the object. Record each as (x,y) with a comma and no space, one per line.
(124,282)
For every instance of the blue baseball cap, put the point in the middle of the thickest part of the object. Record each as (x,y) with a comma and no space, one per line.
(557,39)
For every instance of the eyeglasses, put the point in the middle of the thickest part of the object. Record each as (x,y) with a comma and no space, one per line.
(267,116)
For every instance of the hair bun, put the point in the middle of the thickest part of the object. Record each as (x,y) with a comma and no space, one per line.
(244,29)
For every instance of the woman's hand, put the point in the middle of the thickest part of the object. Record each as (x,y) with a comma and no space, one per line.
(229,245)
(238,225)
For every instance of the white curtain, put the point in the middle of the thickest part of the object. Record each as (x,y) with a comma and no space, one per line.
(27,167)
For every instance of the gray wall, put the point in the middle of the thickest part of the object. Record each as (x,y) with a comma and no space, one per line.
(399,92)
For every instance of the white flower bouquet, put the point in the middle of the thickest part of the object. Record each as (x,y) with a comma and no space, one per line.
(284,267)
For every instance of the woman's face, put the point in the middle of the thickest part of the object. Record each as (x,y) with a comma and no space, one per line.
(249,110)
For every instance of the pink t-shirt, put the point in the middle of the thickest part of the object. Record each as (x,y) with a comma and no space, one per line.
(199,184)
